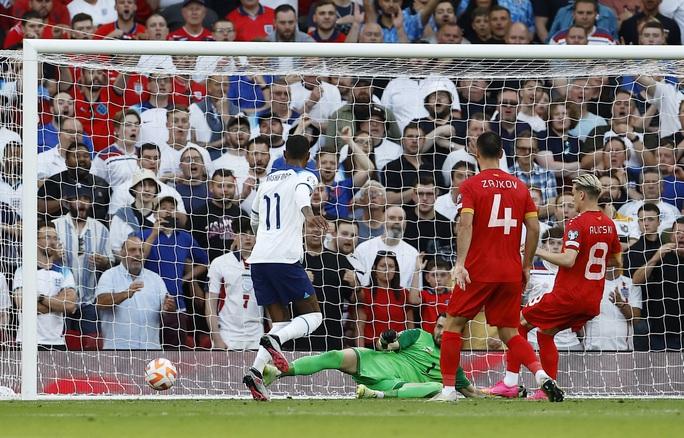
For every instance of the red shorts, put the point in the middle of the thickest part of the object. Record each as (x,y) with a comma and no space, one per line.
(553,311)
(501,302)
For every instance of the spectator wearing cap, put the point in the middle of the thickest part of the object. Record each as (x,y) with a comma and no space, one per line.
(285,28)
(209,115)
(252,20)
(193,13)
(585,13)
(131,301)
(177,257)
(77,174)
(87,253)
(630,32)
(360,104)
(447,204)
(149,157)
(116,163)
(406,97)
(100,12)
(135,217)
(372,121)
(398,26)
(125,27)
(325,21)
(212,225)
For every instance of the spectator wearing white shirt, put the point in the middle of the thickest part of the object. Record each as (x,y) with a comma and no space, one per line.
(316,97)
(178,124)
(530,94)
(651,189)
(674,9)
(235,319)
(620,307)
(11,184)
(209,116)
(405,97)
(53,161)
(153,121)
(447,204)
(130,300)
(116,163)
(391,240)
(56,290)
(667,98)
(101,11)
(233,153)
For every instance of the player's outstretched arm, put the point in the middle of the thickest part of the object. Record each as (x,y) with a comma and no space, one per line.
(565,259)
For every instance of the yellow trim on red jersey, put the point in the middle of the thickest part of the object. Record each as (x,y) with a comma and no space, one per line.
(468,210)
(531,214)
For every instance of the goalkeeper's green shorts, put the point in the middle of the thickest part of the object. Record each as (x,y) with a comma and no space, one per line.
(379,372)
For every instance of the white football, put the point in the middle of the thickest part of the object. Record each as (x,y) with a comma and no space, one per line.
(160,374)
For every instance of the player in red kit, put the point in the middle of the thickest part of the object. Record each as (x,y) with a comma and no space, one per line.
(590,245)
(489,271)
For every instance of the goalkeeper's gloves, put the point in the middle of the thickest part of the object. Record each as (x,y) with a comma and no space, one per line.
(388,340)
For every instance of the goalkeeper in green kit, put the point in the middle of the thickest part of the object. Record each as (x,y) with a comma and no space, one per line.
(406,366)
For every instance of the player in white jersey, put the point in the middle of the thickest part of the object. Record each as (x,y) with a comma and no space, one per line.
(282,204)
(234,317)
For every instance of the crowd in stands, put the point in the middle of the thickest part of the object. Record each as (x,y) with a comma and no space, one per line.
(146,181)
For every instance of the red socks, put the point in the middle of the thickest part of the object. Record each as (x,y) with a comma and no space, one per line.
(521,351)
(548,354)
(512,362)
(450,357)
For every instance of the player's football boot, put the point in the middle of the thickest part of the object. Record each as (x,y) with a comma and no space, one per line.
(272,345)
(552,391)
(255,383)
(441,397)
(362,391)
(538,394)
(271,374)
(503,390)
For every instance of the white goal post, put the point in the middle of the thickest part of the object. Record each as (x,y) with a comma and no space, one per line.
(491,59)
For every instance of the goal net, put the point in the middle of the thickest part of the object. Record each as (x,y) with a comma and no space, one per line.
(134,218)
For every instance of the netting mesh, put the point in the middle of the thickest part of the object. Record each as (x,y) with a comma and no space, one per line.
(173,149)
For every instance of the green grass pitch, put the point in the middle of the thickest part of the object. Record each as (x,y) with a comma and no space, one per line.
(343,418)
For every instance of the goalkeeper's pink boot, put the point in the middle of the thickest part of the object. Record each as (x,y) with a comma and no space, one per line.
(503,390)
(538,394)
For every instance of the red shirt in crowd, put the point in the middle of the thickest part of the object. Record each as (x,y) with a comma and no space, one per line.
(385,309)
(432,305)
(248,27)
(183,35)
(97,116)
(106,29)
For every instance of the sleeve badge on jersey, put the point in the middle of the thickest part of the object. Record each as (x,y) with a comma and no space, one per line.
(573,234)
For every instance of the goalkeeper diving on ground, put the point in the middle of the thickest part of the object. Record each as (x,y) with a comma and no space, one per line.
(406,365)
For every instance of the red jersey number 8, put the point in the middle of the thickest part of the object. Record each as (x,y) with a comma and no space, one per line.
(595,260)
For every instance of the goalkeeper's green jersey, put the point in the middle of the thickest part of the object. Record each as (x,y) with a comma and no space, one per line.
(416,361)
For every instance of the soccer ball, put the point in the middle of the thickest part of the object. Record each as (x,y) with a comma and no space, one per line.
(160,374)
